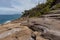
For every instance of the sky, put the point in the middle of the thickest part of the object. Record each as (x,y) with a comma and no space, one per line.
(17,6)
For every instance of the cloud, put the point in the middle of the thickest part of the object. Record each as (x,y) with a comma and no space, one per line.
(5,3)
(7,9)
(25,4)
(13,6)
(22,4)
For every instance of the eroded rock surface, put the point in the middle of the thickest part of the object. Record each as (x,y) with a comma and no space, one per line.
(50,28)
(32,29)
(15,32)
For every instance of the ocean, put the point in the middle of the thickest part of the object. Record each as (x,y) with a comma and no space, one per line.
(8,18)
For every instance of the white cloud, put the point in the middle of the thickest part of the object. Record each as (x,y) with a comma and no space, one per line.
(25,4)
(18,6)
(7,9)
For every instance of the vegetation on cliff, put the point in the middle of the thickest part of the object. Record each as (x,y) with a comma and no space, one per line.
(41,9)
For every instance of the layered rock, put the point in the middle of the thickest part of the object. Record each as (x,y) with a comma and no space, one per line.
(50,28)
(16,31)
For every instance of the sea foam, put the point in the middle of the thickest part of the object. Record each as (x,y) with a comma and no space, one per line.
(7,22)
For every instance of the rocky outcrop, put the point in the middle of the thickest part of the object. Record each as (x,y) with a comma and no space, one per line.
(54,14)
(31,29)
(16,31)
(57,1)
(49,28)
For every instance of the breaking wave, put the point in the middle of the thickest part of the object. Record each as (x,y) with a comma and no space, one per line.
(7,21)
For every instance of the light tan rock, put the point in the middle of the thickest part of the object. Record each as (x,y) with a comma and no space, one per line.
(40,38)
(24,34)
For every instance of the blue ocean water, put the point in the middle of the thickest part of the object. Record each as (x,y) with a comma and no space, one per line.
(4,18)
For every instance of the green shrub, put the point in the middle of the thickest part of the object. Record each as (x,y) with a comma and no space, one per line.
(39,10)
(57,6)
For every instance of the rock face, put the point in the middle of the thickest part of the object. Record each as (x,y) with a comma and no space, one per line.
(57,1)
(16,31)
(45,28)
(50,28)
(55,14)
(32,29)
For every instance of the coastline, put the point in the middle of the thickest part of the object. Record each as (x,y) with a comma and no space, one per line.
(29,28)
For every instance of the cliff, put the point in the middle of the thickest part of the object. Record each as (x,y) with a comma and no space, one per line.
(18,31)
(38,23)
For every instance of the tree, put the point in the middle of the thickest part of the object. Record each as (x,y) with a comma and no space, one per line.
(40,9)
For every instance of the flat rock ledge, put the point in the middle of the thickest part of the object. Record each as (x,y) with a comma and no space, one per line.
(49,28)
(32,29)
(15,31)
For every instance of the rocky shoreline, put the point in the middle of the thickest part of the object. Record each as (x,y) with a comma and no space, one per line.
(32,29)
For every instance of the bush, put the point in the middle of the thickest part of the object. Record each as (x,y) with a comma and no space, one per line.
(40,9)
(57,6)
